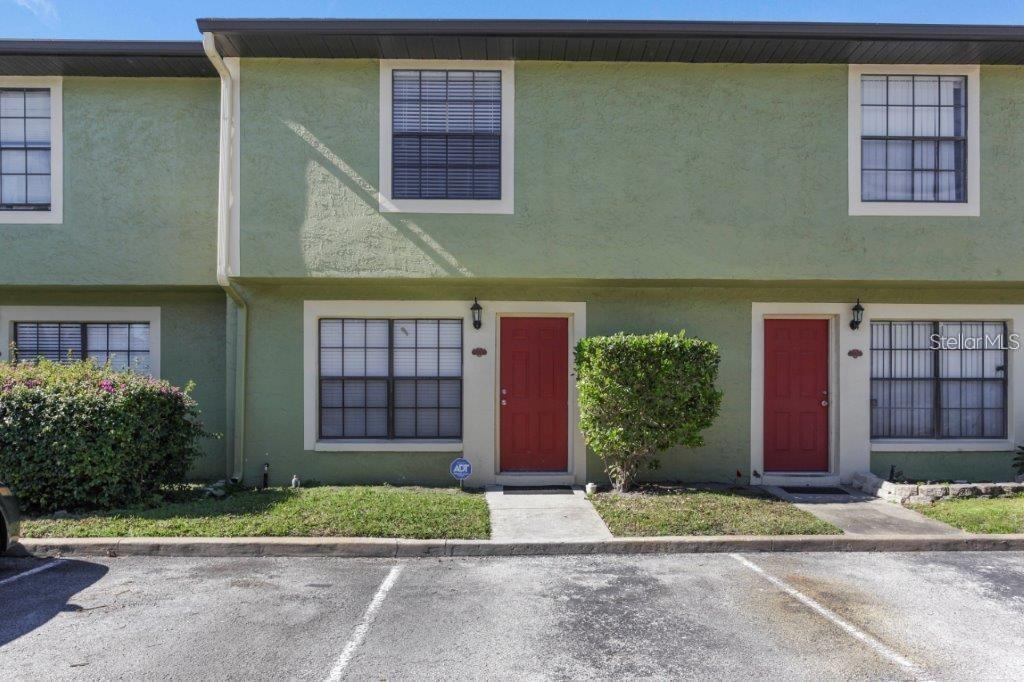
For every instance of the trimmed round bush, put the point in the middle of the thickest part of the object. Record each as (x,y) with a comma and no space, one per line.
(82,436)
(641,394)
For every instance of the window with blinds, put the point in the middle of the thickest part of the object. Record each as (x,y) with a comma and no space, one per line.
(446,134)
(390,379)
(914,138)
(125,345)
(24,149)
(938,380)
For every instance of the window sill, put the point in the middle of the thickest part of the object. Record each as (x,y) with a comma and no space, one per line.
(51,217)
(374,445)
(942,446)
(969,209)
(470,206)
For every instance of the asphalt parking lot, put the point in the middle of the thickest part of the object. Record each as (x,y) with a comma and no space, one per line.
(790,616)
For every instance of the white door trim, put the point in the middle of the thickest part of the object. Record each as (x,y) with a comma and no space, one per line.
(833,312)
(576,449)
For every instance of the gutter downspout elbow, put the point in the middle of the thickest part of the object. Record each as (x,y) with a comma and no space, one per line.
(227,216)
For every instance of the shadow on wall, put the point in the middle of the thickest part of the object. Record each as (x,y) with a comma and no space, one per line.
(442,259)
(34,600)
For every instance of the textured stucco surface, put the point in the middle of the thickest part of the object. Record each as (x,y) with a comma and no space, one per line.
(685,174)
(719,314)
(192,346)
(946,466)
(661,171)
(140,188)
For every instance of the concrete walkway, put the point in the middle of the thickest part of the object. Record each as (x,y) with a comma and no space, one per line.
(861,514)
(553,514)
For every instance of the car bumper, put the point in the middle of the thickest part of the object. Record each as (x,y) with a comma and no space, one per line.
(9,509)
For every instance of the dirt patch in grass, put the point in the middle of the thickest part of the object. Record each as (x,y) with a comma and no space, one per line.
(978,515)
(348,511)
(665,510)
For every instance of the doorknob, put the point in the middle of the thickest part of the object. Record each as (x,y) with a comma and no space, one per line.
(504,402)
(824,403)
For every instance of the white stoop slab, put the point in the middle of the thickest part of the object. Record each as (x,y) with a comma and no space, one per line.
(861,514)
(543,515)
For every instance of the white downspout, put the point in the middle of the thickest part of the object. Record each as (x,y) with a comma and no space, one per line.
(227,219)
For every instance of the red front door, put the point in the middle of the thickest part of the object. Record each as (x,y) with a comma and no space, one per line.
(534,394)
(796,395)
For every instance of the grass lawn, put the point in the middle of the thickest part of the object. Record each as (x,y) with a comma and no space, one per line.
(978,515)
(689,511)
(352,511)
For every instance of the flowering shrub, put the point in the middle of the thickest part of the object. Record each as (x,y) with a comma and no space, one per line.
(79,435)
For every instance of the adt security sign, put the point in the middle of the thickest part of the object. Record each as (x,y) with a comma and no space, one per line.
(461,468)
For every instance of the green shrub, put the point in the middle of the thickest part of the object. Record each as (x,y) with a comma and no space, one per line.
(79,436)
(641,394)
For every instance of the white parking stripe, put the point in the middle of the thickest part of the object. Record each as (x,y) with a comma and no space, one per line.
(359,633)
(31,571)
(852,630)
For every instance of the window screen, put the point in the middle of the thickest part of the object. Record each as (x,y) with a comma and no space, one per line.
(914,138)
(125,345)
(390,378)
(24,149)
(446,134)
(938,380)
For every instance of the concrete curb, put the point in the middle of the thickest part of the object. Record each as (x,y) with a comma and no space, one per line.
(390,548)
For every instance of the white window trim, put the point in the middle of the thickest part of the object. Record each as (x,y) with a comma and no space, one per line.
(55,215)
(11,314)
(948,445)
(1013,317)
(314,311)
(910,208)
(504,205)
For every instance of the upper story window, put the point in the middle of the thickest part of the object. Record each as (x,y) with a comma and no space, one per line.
(914,140)
(24,149)
(30,150)
(446,136)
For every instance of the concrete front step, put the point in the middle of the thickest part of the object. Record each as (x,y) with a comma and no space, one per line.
(388,547)
(527,515)
(860,514)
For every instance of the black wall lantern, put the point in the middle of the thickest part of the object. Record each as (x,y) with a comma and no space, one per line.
(477,311)
(858,315)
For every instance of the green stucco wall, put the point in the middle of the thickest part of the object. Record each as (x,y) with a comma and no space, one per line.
(140,188)
(625,170)
(946,466)
(192,346)
(720,314)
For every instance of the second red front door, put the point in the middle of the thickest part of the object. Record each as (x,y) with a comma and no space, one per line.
(534,394)
(796,398)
